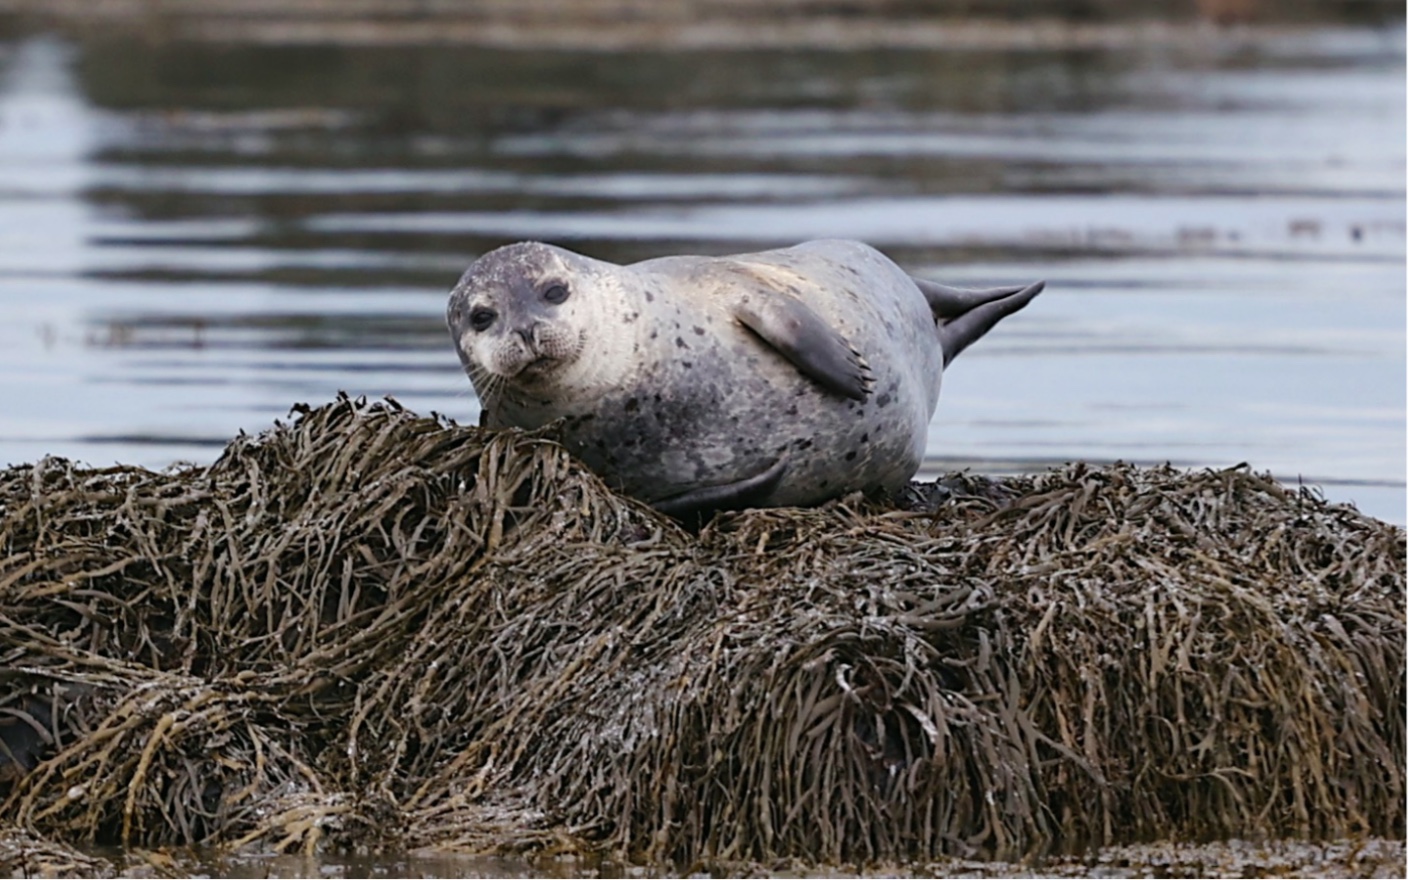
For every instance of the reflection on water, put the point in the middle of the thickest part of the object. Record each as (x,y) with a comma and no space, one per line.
(195,237)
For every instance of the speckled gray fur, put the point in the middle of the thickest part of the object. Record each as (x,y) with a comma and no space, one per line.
(665,391)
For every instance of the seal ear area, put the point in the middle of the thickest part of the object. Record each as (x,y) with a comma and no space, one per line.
(813,346)
(962,330)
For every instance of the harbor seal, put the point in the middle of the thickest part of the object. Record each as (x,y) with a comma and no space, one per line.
(786,377)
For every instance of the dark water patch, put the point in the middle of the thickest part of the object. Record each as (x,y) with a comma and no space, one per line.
(1220,220)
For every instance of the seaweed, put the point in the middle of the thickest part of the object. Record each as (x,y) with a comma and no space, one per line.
(366,629)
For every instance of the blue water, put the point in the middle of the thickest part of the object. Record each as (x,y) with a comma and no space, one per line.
(192,239)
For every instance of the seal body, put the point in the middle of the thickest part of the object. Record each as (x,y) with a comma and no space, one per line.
(777,378)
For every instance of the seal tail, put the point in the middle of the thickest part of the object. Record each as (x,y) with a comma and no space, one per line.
(964,316)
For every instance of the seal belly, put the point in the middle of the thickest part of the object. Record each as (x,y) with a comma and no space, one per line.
(729,408)
(697,422)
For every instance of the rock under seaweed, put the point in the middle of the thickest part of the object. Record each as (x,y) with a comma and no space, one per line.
(367,628)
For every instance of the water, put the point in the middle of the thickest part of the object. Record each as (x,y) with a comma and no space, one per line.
(194,237)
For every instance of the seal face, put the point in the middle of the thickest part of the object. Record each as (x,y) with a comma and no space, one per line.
(694,383)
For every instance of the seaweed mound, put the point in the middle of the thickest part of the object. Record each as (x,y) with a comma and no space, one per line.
(367,628)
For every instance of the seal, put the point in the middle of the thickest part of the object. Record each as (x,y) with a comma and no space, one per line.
(786,377)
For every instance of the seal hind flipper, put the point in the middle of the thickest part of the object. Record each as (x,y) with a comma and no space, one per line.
(814,347)
(958,332)
(707,499)
(950,302)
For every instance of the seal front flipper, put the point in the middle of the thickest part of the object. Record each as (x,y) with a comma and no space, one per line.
(729,496)
(814,347)
(963,316)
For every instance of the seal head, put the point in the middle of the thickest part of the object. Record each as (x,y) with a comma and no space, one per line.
(532,322)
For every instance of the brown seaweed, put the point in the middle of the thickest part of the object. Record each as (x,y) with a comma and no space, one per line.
(367,628)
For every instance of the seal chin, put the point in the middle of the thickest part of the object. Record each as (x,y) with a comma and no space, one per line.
(539,368)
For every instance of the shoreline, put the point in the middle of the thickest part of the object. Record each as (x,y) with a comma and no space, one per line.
(613,25)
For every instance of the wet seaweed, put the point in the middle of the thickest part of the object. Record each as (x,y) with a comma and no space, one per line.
(367,629)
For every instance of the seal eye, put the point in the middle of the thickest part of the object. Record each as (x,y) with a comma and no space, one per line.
(481,319)
(556,294)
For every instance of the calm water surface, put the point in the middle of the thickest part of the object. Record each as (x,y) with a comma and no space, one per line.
(194,237)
